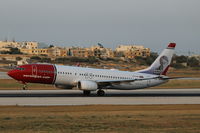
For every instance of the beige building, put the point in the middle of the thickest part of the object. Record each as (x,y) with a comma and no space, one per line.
(128,47)
(34,51)
(29,45)
(132,51)
(52,52)
(96,51)
(57,51)
(80,52)
(31,48)
(102,52)
(6,45)
(10,44)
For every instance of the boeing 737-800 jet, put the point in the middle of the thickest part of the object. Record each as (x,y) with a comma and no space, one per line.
(90,79)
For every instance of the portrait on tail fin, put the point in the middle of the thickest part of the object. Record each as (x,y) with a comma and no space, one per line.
(164,61)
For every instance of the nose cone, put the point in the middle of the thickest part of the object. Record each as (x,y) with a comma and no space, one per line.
(12,73)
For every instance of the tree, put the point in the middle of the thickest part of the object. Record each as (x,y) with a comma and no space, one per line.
(18,58)
(47,60)
(140,60)
(92,59)
(177,65)
(13,51)
(150,59)
(51,46)
(181,59)
(35,58)
(193,62)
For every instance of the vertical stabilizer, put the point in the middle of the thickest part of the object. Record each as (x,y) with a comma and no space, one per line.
(161,64)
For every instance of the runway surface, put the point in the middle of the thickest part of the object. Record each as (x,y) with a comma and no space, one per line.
(114,97)
(3,75)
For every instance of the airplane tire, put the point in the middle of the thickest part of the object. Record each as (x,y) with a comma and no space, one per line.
(100,93)
(24,87)
(86,93)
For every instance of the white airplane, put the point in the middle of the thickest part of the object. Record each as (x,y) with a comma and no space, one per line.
(90,79)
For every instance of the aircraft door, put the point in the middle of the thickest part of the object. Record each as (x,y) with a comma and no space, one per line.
(34,70)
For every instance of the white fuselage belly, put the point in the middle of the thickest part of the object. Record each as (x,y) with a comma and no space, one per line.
(69,76)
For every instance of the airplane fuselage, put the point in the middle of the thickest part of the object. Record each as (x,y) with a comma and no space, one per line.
(66,77)
(75,74)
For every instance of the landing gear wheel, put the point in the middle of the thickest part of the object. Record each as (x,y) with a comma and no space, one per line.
(86,93)
(24,87)
(100,93)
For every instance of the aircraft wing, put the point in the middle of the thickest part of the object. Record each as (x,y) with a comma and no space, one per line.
(165,77)
(109,82)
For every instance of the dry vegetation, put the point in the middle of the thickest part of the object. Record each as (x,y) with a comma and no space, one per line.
(151,119)
(11,84)
(180,84)
(184,73)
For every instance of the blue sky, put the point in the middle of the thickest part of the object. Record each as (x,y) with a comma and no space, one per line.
(152,23)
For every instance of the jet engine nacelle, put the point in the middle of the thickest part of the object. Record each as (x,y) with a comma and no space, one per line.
(87,85)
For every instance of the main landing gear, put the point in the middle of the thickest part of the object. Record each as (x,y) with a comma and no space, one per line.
(99,93)
(86,93)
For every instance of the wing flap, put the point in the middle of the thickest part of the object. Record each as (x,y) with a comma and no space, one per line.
(124,81)
(165,78)
(111,82)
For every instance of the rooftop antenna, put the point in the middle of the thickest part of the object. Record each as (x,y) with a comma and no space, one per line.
(6,39)
(13,40)
(100,45)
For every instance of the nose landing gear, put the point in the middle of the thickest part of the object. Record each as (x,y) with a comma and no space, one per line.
(25,87)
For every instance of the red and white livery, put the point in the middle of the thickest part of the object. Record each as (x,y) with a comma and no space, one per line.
(90,79)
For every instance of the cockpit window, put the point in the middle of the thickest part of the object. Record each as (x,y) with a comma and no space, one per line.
(19,68)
